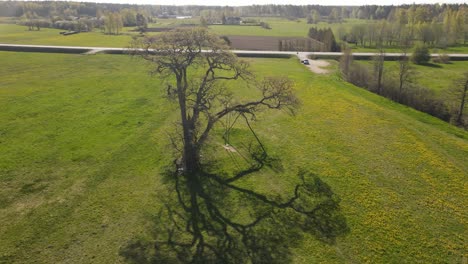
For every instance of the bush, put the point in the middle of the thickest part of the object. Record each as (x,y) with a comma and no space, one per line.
(442,58)
(420,55)
(359,76)
(265,25)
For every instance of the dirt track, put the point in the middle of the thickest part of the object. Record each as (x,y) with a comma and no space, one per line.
(316,66)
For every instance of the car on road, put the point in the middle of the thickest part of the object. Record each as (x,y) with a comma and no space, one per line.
(305,62)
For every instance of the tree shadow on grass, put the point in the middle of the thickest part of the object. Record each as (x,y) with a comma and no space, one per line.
(431,65)
(210,218)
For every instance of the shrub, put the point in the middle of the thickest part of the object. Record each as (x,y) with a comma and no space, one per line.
(420,55)
(265,25)
(442,58)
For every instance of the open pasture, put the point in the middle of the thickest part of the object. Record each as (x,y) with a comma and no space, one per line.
(83,142)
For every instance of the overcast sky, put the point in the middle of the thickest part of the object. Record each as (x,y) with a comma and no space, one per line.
(292,2)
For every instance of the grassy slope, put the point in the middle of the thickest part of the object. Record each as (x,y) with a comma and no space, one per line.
(83,140)
(424,74)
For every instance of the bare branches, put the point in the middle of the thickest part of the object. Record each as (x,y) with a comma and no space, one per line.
(200,228)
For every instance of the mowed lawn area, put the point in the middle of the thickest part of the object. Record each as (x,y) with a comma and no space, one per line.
(84,139)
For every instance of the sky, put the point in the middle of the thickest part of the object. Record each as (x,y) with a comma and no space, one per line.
(291,2)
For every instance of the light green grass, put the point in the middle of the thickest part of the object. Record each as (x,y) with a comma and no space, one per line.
(172,22)
(16,34)
(456,49)
(83,140)
(438,77)
(10,33)
(280,27)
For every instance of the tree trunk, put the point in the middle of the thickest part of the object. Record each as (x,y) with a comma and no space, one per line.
(400,89)
(462,104)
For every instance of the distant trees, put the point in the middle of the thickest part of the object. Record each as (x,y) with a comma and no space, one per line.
(33,22)
(313,17)
(455,25)
(36,24)
(358,33)
(435,28)
(113,23)
(141,22)
(434,25)
(128,17)
(325,36)
(406,13)
(334,16)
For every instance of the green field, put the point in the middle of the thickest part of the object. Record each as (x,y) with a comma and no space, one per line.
(83,139)
(16,34)
(424,74)
(281,27)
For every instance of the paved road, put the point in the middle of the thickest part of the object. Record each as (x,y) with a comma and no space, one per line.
(92,50)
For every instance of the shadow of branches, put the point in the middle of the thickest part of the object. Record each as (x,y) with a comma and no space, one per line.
(210,218)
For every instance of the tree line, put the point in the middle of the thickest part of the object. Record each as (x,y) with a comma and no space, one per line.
(108,22)
(50,8)
(326,36)
(402,28)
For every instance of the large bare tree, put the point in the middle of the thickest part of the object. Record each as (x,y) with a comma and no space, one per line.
(200,227)
(199,63)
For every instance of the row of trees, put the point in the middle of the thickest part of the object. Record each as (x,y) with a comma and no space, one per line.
(401,88)
(450,30)
(326,36)
(113,22)
(34,22)
(416,13)
(110,23)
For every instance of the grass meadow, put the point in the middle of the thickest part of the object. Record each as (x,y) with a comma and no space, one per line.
(83,142)
(437,77)
(424,74)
